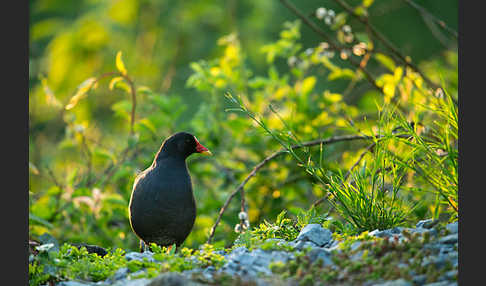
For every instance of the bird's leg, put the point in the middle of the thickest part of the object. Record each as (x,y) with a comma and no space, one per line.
(143,246)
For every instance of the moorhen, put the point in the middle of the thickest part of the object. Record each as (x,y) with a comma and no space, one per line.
(162,208)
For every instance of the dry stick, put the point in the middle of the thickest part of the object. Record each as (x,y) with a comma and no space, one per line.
(432,17)
(273,156)
(333,45)
(385,41)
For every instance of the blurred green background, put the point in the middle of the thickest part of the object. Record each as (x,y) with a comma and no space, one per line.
(83,161)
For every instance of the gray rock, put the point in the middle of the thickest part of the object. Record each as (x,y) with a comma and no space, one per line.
(427,223)
(172,279)
(300,245)
(449,239)
(322,254)
(419,279)
(442,283)
(316,234)
(452,227)
(396,231)
(140,256)
(398,282)
(74,283)
(120,274)
(132,282)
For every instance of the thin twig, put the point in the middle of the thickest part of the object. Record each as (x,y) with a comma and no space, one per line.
(273,156)
(432,17)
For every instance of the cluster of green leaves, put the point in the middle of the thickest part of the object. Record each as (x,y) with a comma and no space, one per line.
(70,263)
(53,263)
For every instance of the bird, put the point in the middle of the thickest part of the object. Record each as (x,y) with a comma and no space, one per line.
(162,208)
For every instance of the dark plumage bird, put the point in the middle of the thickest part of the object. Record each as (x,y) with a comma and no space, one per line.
(162,208)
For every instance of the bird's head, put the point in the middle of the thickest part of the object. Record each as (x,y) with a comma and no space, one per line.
(183,144)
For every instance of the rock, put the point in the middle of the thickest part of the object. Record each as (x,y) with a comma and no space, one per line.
(396,231)
(442,283)
(74,283)
(452,227)
(322,254)
(398,282)
(120,274)
(449,239)
(140,256)
(419,279)
(300,245)
(172,279)
(427,223)
(132,282)
(316,234)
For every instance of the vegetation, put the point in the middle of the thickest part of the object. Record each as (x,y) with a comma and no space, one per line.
(342,113)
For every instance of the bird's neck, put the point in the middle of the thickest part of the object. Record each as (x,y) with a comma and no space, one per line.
(173,161)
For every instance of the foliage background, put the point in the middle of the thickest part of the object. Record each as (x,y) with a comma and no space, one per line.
(188,54)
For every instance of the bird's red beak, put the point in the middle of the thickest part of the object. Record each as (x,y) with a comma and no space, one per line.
(201,149)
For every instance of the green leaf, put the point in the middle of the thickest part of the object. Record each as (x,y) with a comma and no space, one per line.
(33,169)
(385,61)
(119,63)
(82,92)
(114,81)
(367,3)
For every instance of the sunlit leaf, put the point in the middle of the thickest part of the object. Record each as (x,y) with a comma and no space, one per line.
(385,61)
(114,81)
(33,168)
(119,63)
(367,3)
(81,93)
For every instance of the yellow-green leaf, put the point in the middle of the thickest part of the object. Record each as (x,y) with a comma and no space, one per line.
(33,169)
(114,81)
(119,63)
(148,124)
(386,61)
(367,3)
(308,84)
(81,93)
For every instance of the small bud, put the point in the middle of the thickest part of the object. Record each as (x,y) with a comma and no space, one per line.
(324,45)
(242,216)
(238,228)
(331,13)
(309,51)
(346,29)
(328,20)
(246,224)
(320,13)
(292,61)
(344,54)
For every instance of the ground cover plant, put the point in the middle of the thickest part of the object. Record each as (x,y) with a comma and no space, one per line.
(324,114)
